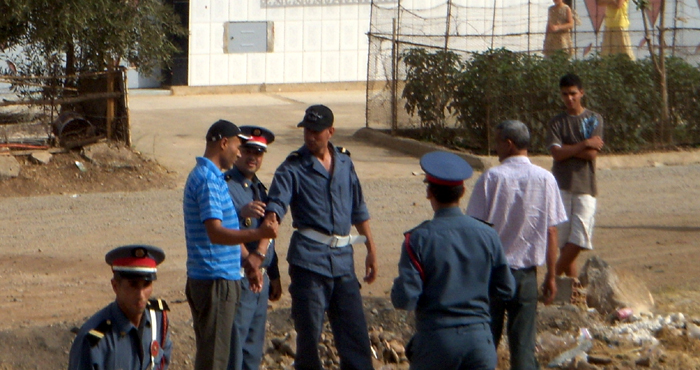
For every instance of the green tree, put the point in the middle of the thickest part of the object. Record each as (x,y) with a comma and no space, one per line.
(88,35)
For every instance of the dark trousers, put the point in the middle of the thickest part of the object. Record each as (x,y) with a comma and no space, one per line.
(213,305)
(312,295)
(522,327)
(467,347)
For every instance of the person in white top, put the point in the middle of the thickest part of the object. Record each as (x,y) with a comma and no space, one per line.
(523,203)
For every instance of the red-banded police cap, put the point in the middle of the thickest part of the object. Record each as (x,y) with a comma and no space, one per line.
(258,137)
(135,261)
(443,168)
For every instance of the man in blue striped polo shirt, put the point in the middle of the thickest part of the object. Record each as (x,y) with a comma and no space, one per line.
(214,250)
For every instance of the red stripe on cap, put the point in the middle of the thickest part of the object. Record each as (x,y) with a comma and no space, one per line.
(135,262)
(258,139)
(437,181)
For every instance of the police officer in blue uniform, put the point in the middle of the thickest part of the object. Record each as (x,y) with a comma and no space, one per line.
(132,332)
(447,269)
(319,184)
(250,198)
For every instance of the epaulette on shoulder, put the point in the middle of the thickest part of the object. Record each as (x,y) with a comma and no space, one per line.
(227,178)
(158,305)
(95,335)
(483,222)
(417,227)
(294,155)
(343,150)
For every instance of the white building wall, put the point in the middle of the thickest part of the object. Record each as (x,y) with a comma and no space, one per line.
(312,44)
(328,43)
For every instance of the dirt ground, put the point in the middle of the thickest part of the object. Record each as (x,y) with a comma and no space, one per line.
(57,223)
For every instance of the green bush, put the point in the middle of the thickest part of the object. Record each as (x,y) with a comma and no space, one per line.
(499,84)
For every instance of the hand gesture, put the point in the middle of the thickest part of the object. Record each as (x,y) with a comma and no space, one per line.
(268,228)
(370,268)
(275,290)
(253,273)
(549,289)
(254,209)
(595,142)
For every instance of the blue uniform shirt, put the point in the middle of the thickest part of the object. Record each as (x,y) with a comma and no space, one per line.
(242,192)
(109,341)
(206,197)
(448,270)
(327,203)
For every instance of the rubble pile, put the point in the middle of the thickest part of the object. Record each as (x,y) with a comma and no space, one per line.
(387,348)
(618,329)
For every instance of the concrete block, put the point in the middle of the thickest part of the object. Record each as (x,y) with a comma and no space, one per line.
(417,148)
(104,154)
(9,167)
(607,290)
(43,157)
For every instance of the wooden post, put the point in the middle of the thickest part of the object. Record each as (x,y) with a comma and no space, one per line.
(110,102)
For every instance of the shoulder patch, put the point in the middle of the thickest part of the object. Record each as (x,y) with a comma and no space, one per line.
(482,221)
(294,155)
(343,150)
(417,227)
(158,305)
(95,335)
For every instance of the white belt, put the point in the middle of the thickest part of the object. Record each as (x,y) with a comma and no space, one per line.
(333,241)
(154,337)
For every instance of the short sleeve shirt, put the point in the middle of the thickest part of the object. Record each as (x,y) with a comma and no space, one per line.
(521,200)
(617,18)
(575,175)
(206,197)
(327,203)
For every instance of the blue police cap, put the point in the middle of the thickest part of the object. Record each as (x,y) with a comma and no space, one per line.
(443,168)
(135,261)
(258,137)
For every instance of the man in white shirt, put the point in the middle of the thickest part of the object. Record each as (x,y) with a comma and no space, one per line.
(523,203)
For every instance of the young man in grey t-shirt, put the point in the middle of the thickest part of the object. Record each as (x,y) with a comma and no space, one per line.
(574,138)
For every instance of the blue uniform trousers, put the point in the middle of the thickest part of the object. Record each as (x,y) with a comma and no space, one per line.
(248,336)
(522,326)
(312,295)
(467,347)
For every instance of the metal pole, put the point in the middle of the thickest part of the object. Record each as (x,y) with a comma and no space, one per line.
(529,24)
(394,85)
(675,28)
(369,62)
(447,25)
(493,23)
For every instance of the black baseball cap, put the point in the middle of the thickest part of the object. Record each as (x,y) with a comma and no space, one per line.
(317,118)
(223,128)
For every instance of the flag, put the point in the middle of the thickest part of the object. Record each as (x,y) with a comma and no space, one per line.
(597,14)
(654,10)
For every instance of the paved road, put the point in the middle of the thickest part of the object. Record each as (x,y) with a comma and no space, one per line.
(171,128)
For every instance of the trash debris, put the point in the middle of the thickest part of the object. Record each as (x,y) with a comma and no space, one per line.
(584,345)
(80,166)
(624,313)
